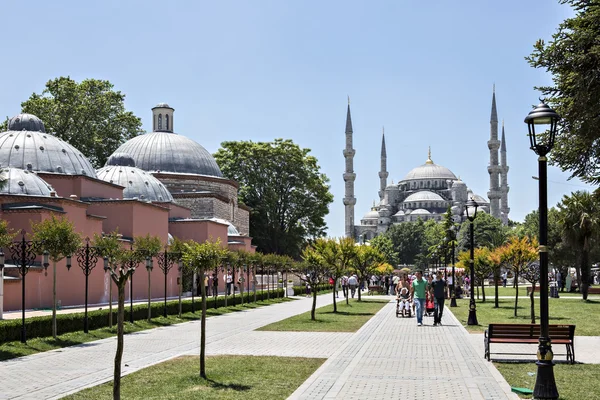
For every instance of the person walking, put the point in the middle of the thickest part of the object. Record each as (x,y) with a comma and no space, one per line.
(345,286)
(504,278)
(438,289)
(215,291)
(417,292)
(352,282)
(228,281)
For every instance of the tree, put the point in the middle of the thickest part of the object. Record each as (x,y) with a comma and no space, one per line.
(580,219)
(484,228)
(203,257)
(517,253)
(408,240)
(365,262)
(312,271)
(384,245)
(148,246)
(109,248)
(59,239)
(482,265)
(531,273)
(89,114)
(572,57)
(285,188)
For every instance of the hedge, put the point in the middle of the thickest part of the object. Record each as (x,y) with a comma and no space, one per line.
(301,290)
(10,330)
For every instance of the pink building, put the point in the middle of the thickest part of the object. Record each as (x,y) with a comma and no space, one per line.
(46,176)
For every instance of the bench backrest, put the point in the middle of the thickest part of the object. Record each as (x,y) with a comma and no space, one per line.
(527,331)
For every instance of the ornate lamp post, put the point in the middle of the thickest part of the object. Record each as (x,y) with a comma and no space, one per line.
(471,209)
(25,252)
(87,258)
(149,268)
(166,260)
(452,233)
(541,144)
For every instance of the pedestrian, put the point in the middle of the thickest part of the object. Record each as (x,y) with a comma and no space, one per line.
(559,280)
(206,284)
(210,283)
(438,289)
(352,283)
(386,284)
(417,292)
(569,282)
(215,291)
(228,281)
(395,281)
(504,278)
(345,286)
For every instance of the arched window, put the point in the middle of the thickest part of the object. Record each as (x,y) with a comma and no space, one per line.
(428,184)
(421,183)
(160,122)
(167,121)
(434,184)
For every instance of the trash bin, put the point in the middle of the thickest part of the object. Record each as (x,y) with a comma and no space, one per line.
(554,291)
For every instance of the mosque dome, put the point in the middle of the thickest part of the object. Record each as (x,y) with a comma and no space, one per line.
(26,145)
(420,211)
(19,181)
(373,214)
(429,170)
(458,183)
(424,195)
(162,150)
(137,183)
(400,213)
(480,199)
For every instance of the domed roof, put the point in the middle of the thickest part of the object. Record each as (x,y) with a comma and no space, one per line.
(19,181)
(420,211)
(429,170)
(400,213)
(162,105)
(170,152)
(424,195)
(26,145)
(480,199)
(138,183)
(373,214)
(458,183)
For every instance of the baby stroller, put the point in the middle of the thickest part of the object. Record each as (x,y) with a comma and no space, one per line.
(403,306)
(429,305)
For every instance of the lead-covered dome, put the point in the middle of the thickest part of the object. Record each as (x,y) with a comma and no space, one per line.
(170,152)
(26,145)
(430,171)
(138,183)
(424,195)
(19,181)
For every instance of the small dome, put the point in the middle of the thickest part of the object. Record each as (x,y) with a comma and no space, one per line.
(420,211)
(170,152)
(162,105)
(424,195)
(400,213)
(26,122)
(122,159)
(430,171)
(26,145)
(23,182)
(137,183)
(458,183)
(373,214)
(480,199)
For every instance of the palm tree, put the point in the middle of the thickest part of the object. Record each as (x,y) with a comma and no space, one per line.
(580,218)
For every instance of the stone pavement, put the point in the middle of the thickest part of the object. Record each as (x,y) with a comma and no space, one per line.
(388,357)
(393,358)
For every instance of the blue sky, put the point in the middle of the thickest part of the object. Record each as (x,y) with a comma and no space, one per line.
(259,70)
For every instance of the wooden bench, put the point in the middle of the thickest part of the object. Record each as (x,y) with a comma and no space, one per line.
(529,334)
(375,290)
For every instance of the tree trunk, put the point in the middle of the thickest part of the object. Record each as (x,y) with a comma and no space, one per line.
(149,298)
(110,313)
(477,287)
(54,299)
(531,297)
(119,354)
(359,283)
(496,305)
(483,290)
(585,271)
(334,302)
(203,335)
(314,303)
(516,292)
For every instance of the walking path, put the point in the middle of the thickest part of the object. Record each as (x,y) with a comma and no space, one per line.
(387,357)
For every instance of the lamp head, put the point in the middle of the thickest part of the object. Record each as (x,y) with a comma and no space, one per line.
(68,263)
(45,257)
(547,120)
(106,267)
(471,209)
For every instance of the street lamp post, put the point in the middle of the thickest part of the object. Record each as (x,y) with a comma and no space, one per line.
(25,252)
(87,257)
(149,268)
(453,286)
(541,144)
(166,260)
(471,209)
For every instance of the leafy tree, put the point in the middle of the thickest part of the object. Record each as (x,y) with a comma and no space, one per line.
(148,246)
(408,240)
(484,228)
(89,115)
(6,234)
(384,245)
(312,271)
(580,219)
(531,273)
(517,253)
(109,248)
(285,188)
(434,237)
(482,264)
(572,57)
(59,239)
(365,262)
(203,257)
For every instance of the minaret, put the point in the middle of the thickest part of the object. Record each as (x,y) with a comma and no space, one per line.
(383,174)
(349,177)
(504,209)
(494,168)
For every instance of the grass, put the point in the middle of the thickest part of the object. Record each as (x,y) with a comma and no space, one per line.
(15,349)
(229,377)
(349,318)
(586,315)
(510,291)
(574,382)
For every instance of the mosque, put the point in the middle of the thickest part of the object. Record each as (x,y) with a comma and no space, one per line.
(426,191)
(159,183)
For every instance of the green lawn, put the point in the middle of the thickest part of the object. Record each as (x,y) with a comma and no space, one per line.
(510,291)
(229,377)
(349,318)
(574,382)
(10,350)
(586,315)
